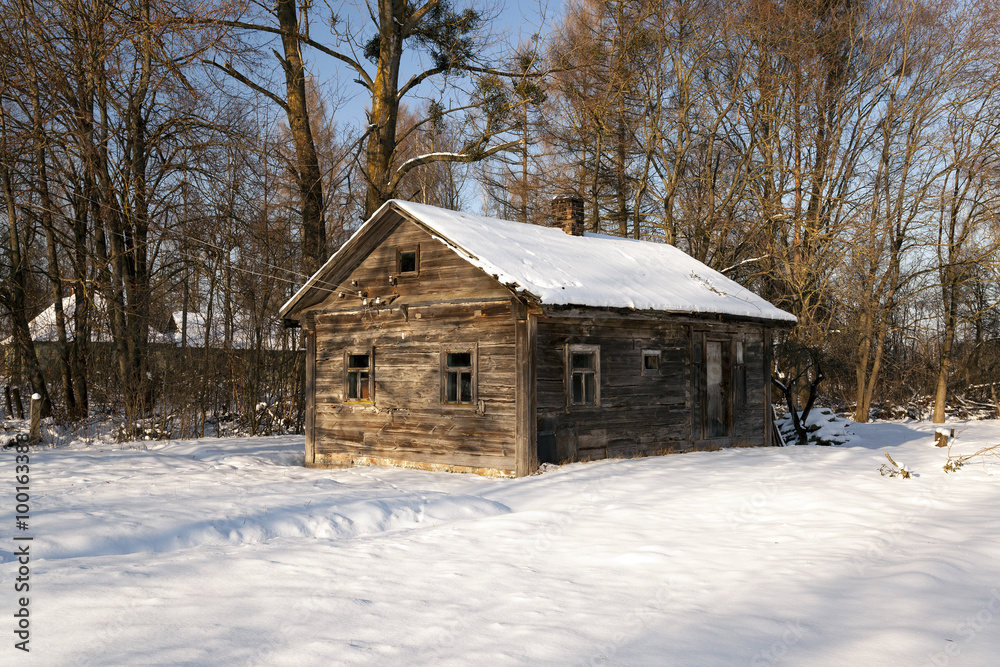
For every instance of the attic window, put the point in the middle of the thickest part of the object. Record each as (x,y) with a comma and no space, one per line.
(408,261)
(358,377)
(458,377)
(650,362)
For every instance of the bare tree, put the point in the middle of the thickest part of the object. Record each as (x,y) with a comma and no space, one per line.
(970,203)
(13,294)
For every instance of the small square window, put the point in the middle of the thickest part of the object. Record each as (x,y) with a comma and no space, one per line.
(650,362)
(408,261)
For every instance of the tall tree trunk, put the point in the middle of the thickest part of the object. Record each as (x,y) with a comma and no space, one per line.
(18,294)
(621,178)
(385,106)
(308,174)
(80,347)
(861,361)
(46,217)
(107,216)
(944,367)
(124,248)
(866,376)
(132,236)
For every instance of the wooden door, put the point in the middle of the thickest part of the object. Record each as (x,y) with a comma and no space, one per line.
(718,391)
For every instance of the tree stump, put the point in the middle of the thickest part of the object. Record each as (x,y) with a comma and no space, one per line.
(941,437)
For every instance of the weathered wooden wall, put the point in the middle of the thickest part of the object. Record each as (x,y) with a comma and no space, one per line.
(639,414)
(449,304)
(406,321)
(750,422)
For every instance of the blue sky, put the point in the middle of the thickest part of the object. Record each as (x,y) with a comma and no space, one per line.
(515,22)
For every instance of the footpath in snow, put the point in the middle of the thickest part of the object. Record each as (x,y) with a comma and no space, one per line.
(230,552)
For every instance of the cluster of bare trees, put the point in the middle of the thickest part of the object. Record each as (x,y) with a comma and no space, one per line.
(841,156)
(171,172)
(139,187)
(159,159)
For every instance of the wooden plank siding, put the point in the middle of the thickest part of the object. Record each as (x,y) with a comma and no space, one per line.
(442,275)
(407,320)
(641,414)
(415,321)
(525,392)
(637,414)
(310,390)
(748,423)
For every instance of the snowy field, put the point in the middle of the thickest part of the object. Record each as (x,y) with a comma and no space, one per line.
(229,552)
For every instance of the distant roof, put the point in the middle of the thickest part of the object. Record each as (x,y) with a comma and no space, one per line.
(241,331)
(556,268)
(43,328)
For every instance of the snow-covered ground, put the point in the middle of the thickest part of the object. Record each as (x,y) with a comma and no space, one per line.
(229,552)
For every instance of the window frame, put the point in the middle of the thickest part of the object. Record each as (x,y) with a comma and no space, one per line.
(580,348)
(473,351)
(416,261)
(348,369)
(658,355)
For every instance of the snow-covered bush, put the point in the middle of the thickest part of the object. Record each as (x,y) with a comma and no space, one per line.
(823,427)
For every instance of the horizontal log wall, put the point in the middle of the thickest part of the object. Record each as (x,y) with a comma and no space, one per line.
(638,414)
(405,422)
(442,276)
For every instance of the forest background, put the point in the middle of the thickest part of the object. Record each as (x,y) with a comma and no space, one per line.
(181,166)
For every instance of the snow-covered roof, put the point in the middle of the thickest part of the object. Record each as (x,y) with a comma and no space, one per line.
(43,328)
(556,268)
(241,331)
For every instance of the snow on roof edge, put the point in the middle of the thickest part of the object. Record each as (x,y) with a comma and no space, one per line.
(713,293)
(687,286)
(314,278)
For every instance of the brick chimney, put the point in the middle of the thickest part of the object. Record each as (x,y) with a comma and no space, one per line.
(568,214)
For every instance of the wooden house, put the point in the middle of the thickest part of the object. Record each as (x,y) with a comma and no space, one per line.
(442,340)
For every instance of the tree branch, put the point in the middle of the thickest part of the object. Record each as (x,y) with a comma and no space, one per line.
(302,38)
(366,80)
(463,157)
(402,136)
(228,69)
(417,79)
(417,17)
